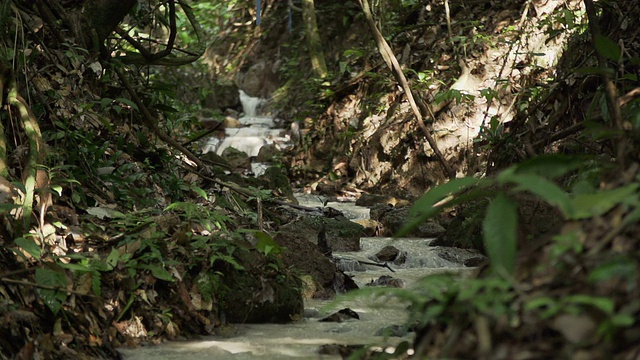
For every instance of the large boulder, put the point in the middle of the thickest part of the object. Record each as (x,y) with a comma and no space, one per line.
(341,233)
(392,219)
(261,293)
(303,255)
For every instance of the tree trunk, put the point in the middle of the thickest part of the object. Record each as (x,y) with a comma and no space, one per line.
(313,39)
(90,21)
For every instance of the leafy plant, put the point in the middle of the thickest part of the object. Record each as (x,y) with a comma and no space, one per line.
(534,176)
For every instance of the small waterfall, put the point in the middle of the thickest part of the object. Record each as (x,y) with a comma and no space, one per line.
(250,104)
(257,132)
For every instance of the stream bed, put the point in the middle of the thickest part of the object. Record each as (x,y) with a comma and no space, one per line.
(302,339)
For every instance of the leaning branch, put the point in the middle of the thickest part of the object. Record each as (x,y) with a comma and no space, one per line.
(151,123)
(392,63)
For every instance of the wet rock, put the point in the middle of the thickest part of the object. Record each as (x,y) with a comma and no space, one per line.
(236,159)
(388,253)
(394,330)
(386,280)
(461,256)
(268,153)
(475,261)
(342,234)
(344,351)
(304,256)
(342,315)
(260,80)
(370,227)
(343,282)
(311,313)
(258,296)
(393,219)
(231,123)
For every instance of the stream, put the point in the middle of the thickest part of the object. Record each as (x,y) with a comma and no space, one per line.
(302,339)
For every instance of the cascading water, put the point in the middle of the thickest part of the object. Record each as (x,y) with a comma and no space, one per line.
(301,340)
(257,132)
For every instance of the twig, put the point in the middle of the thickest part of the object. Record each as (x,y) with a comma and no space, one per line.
(46,287)
(385,265)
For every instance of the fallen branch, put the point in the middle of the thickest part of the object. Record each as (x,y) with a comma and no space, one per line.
(46,287)
(362,262)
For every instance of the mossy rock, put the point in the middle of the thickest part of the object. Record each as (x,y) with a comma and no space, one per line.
(259,293)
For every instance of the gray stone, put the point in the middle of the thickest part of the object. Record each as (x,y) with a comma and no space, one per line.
(388,253)
(342,234)
(393,220)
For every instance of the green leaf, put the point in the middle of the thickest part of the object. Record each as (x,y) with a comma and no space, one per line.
(500,233)
(52,298)
(29,246)
(426,207)
(545,189)
(606,305)
(200,192)
(607,47)
(128,102)
(158,272)
(112,259)
(266,244)
(589,205)
(550,166)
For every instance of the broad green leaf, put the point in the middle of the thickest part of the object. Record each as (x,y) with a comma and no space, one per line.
(607,47)
(550,166)
(545,189)
(266,244)
(500,233)
(616,268)
(589,205)
(29,246)
(128,102)
(426,207)
(52,298)
(158,272)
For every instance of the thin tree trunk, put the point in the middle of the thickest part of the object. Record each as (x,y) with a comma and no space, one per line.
(313,39)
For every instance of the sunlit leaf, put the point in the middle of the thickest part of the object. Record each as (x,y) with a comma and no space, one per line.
(545,189)
(266,244)
(29,246)
(596,204)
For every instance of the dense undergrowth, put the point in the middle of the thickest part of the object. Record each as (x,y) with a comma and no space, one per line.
(128,240)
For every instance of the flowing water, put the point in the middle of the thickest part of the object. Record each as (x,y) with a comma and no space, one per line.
(301,340)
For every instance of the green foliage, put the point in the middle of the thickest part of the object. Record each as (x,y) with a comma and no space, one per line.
(55,282)
(533,176)
(500,233)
